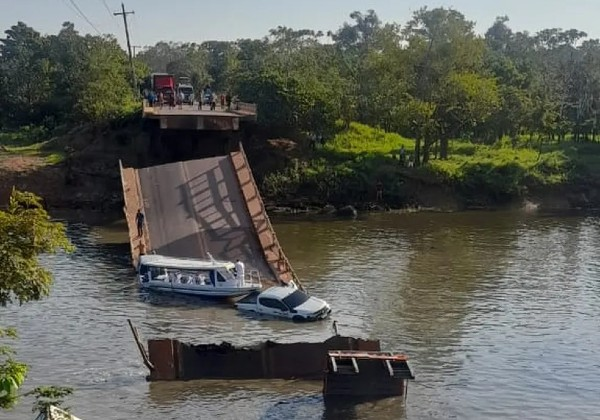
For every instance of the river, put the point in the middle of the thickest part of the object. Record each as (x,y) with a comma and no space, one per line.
(497,311)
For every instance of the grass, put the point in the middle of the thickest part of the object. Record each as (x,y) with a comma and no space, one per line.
(361,139)
(347,168)
(31,142)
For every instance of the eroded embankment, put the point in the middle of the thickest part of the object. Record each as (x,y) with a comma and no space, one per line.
(88,178)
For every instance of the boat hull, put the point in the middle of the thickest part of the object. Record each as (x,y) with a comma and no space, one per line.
(223,292)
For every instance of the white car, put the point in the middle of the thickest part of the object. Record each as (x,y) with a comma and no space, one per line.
(285,302)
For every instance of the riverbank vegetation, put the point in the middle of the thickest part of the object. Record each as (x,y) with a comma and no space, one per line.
(348,167)
(26,231)
(491,114)
(50,80)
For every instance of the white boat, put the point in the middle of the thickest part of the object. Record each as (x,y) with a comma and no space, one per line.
(285,302)
(195,276)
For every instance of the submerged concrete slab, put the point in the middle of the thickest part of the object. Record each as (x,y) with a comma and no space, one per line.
(196,207)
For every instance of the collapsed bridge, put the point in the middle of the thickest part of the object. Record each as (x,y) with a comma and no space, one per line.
(210,205)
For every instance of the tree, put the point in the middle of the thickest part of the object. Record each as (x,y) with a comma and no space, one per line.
(69,53)
(25,66)
(465,101)
(26,231)
(106,93)
(46,396)
(443,43)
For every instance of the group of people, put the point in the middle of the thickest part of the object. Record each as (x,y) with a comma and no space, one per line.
(210,98)
(160,100)
(207,97)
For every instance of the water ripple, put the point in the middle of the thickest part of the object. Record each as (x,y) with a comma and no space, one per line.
(498,313)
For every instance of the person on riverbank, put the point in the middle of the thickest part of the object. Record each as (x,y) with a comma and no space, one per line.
(139,220)
(240,271)
(161,99)
(402,156)
(379,189)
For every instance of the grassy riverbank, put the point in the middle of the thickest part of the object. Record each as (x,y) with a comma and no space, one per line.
(33,142)
(78,167)
(347,169)
(71,167)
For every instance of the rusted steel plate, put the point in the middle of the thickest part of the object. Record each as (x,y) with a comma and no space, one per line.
(264,360)
(270,246)
(133,202)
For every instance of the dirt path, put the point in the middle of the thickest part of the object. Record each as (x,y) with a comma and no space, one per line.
(22,172)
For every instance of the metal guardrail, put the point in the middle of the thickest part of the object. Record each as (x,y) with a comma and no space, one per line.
(282,257)
(252,278)
(239,107)
(145,240)
(246,107)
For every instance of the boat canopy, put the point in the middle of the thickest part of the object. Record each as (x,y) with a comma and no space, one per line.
(161,261)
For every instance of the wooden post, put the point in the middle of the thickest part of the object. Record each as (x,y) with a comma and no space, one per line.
(140,346)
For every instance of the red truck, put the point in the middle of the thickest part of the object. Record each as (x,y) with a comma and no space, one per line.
(165,83)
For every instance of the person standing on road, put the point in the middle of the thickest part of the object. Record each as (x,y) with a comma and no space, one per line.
(228,100)
(213,102)
(139,220)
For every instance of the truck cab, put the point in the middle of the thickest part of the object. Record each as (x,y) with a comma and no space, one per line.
(188,93)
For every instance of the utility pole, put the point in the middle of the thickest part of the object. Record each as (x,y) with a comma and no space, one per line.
(124,14)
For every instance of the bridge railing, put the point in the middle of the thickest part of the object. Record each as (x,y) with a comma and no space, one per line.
(245,107)
(283,260)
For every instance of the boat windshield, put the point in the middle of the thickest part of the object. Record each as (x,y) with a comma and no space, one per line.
(295,299)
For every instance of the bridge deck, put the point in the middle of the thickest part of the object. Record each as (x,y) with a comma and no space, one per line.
(243,110)
(205,205)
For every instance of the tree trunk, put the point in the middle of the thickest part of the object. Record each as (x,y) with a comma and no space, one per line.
(444,147)
(417,156)
(426,149)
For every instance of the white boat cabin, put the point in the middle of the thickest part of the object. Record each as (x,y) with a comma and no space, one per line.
(196,276)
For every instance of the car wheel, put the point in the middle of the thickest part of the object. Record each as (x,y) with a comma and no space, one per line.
(298,318)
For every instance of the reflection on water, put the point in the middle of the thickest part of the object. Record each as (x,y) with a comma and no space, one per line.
(497,311)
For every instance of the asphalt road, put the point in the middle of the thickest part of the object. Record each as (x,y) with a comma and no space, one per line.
(195,207)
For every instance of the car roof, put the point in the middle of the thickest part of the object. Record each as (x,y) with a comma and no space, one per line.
(278,292)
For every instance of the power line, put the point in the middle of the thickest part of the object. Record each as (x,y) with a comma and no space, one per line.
(107,7)
(84,16)
(69,6)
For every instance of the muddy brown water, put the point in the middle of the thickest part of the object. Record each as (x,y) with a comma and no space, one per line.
(498,312)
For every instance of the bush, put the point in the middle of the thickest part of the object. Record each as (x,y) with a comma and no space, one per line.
(347,168)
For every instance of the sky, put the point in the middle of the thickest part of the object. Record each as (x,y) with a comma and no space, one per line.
(202,20)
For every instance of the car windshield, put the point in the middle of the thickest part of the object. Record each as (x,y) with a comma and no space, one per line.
(187,90)
(295,299)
